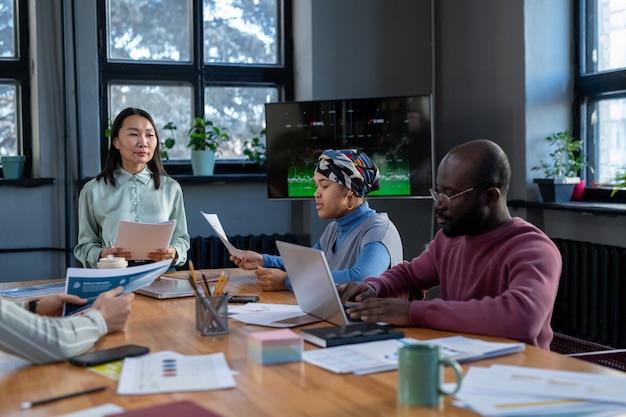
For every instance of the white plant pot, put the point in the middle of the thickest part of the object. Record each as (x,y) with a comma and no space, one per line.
(202,162)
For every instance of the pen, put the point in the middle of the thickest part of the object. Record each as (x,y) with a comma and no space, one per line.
(29,404)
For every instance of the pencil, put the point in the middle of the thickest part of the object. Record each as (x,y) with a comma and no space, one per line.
(221,283)
(193,273)
(29,404)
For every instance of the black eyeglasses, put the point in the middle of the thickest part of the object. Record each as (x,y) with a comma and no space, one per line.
(444,199)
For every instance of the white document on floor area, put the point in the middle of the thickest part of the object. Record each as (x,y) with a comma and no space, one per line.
(382,355)
(215,223)
(168,371)
(142,238)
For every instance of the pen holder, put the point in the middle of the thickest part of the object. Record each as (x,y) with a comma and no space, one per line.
(212,314)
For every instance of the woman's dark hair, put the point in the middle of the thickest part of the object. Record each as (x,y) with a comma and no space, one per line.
(114,158)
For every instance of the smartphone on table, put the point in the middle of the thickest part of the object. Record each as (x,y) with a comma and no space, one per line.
(243,298)
(108,355)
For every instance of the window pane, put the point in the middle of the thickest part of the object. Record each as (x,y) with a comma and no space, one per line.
(610,121)
(144,30)
(611,53)
(165,103)
(9,143)
(241,110)
(7,29)
(240,31)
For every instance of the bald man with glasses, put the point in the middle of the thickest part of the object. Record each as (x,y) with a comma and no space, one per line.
(498,275)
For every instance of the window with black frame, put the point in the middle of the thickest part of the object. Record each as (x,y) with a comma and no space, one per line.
(15,137)
(601,88)
(182,59)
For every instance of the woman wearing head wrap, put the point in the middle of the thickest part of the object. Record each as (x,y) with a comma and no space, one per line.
(359,242)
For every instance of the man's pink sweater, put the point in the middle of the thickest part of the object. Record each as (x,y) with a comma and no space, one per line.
(501,283)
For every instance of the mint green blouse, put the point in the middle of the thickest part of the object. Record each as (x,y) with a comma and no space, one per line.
(101,206)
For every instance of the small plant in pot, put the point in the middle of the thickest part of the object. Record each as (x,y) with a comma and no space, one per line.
(205,139)
(618,182)
(562,170)
(169,141)
(254,149)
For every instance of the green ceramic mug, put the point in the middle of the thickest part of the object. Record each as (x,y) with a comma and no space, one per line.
(420,375)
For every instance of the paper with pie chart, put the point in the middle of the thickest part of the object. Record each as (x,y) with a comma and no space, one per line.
(214,221)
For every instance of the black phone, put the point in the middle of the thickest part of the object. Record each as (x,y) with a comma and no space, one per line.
(108,355)
(243,298)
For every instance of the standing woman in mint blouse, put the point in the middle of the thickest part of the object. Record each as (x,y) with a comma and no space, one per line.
(133,186)
(359,242)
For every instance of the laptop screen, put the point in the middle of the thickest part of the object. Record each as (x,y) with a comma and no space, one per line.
(312,282)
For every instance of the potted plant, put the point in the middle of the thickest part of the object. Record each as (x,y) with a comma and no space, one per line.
(205,139)
(561,171)
(254,149)
(169,141)
(618,182)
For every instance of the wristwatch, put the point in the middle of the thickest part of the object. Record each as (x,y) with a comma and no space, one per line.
(32,306)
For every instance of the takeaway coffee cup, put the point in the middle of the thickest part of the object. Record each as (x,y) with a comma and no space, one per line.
(420,375)
(112,262)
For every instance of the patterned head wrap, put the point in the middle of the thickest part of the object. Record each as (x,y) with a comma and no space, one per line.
(350,168)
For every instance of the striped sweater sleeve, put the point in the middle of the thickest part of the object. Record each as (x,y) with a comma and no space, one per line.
(47,339)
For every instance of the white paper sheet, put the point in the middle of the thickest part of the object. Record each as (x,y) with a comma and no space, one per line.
(214,221)
(143,238)
(363,358)
(547,383)
(172,372)
(500,402)
(265,314)
(97,411)
(484,392)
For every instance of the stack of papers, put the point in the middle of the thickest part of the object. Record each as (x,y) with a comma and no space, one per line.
(142,238)
(378,356)
(513,390)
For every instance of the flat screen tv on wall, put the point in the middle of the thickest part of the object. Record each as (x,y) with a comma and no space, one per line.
(395,132)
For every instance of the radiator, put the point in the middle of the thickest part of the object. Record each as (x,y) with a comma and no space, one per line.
(591,301)
(209,252)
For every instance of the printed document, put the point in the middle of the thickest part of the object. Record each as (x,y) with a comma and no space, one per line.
(520,391)
(142,238)
(89,283)
(382,355)
(214,221)
(168,371)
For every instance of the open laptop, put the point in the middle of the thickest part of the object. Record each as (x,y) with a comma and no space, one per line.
(312,284)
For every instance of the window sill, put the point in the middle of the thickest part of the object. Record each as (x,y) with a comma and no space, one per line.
(27,182)
(583,207)
(219,178)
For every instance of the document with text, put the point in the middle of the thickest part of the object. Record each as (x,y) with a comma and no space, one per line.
(89,283)
(382,355)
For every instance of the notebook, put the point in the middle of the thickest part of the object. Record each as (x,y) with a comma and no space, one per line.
(312,284)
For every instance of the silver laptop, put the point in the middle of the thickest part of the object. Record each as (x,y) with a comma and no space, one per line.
(312,284)
(165,288)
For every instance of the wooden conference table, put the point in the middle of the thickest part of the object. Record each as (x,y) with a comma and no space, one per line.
(292,389)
